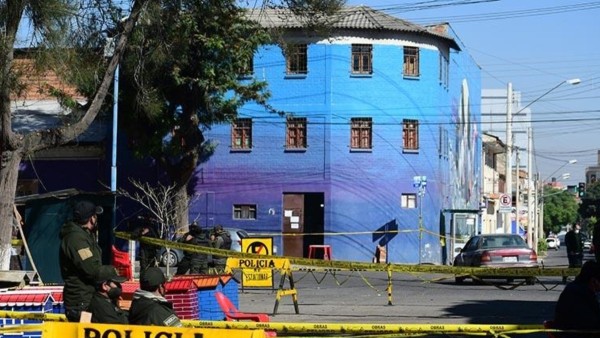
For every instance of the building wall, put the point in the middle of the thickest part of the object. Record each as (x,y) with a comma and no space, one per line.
(361,189)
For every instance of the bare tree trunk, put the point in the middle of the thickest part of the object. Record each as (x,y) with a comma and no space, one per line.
(9,172)
(13,145)
(181,208)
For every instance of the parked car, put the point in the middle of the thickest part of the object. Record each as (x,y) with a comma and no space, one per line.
(496,251)
(587,243)
(176,255)
(553,243)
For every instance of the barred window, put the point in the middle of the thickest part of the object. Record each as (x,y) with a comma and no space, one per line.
(362,59)
(360,134)
(297,59)
(296,133)
(241,134)
(411,61)
(410,134)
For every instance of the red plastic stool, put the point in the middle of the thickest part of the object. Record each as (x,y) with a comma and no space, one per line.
(312,249)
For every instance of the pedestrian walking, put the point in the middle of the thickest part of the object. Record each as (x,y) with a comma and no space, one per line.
(222,240)
(574,244)
(149,306)
(104,305)
(194,262)
(80,257)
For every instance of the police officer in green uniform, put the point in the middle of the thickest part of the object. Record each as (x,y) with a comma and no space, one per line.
(149,306)
(79,257)
(104,305)
(222,240)
(194,262)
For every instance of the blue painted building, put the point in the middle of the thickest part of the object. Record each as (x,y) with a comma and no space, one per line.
(364,109)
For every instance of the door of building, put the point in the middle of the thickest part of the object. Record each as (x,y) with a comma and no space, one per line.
(303,222)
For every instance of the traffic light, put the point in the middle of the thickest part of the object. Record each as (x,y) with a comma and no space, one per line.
(581,189)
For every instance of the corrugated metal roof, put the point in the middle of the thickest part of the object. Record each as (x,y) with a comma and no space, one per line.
(353,18)
(24,299)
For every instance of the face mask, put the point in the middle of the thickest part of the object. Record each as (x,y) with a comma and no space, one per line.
(115,293)
(576,231)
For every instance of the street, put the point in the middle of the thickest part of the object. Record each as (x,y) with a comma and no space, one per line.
(360,297)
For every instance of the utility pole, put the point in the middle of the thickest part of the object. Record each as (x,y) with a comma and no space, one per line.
(540,225)
(517,188)
(530,182)
(420,182)
(508,165)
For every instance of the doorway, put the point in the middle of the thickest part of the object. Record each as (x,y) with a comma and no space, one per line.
(303,222)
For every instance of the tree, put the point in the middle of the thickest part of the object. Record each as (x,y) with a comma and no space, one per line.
(560,208)
(181,74)
(65,33)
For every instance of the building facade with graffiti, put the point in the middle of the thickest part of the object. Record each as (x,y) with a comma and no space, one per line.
(364,112)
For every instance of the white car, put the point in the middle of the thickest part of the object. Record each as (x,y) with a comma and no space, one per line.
(553,243)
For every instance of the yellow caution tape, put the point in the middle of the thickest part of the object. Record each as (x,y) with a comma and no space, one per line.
(21,328)
(53,330)
(349,265)
(89,330)
(54,317)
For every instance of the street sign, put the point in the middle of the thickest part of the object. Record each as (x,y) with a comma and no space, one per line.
(257,276)
(505,203)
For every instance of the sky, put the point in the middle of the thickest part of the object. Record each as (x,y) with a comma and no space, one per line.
(535,45)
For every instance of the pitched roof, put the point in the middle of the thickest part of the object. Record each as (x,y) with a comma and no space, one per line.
(352,17)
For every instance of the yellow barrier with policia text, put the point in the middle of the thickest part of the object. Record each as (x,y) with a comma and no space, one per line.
(209,329)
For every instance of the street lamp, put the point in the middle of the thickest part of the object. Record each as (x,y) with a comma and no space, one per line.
(509,140)
(570,81)
(557,170)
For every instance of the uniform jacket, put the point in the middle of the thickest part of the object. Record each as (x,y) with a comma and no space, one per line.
(577,309)
(105,311)
(222,241)
(150,309)
(573,242)
(80,257)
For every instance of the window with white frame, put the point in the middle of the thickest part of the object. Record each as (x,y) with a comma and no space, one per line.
(408,201)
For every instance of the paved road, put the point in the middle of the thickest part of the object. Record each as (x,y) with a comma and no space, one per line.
(360,297)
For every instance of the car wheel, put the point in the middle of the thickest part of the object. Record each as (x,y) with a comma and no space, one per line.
(459,280)
(170,258)
(530,281)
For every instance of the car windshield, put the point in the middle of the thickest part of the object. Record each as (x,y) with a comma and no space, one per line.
(242,233)
(503,241)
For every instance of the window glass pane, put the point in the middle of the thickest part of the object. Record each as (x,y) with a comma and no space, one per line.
(296,132)
(241,134)
(244,211)
(361,133)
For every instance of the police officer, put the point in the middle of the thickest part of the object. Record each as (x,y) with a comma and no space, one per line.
(149,306)
(194,262)
(222,240)
(104,305)
(80,258)
(148,252)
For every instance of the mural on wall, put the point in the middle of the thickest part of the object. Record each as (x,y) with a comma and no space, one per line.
(464,169)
